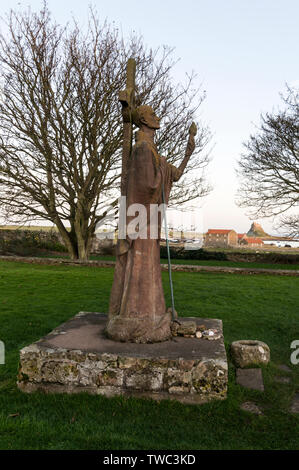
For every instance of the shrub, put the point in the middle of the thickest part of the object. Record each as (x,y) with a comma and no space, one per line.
(201,254)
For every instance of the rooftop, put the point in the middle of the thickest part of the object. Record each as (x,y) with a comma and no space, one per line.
(220,231)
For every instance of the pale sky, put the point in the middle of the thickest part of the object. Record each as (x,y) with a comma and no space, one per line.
(244,51)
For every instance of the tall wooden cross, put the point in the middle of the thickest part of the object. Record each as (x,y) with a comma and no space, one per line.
(127,99)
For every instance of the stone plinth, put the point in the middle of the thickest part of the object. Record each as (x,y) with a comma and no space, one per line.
(78,357)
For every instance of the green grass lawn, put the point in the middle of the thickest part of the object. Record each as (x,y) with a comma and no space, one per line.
(35,299)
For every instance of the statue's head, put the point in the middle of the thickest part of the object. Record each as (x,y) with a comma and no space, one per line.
(146,116)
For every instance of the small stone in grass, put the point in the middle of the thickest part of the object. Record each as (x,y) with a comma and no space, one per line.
(282,380)
(295,404)
(251,408)
(250,353)
(284,368)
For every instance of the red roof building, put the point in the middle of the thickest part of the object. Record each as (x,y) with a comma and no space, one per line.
(251,241)
(219,231)
(221,238)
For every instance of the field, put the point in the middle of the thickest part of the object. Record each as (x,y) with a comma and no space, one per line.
(34,228)
(35,299)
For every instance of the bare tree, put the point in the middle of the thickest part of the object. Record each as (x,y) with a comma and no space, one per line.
(269,168)
(61,123)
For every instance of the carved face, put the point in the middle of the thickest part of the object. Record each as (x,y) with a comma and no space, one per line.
(148,117)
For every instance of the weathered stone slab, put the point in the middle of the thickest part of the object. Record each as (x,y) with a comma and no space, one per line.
(295,404)
(250,378)
(78,357)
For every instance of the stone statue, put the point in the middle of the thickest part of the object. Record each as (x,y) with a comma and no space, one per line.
(137,311)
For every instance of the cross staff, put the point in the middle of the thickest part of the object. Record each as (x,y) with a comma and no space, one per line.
(127,99)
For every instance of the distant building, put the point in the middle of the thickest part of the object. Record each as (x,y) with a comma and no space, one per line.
(221,238)
(181,235)
(251,242)
(241,236)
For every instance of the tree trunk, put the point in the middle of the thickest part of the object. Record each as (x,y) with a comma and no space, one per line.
(82,250)
(84,241)
(82,231)
(68,239)
(78,240)
(70,245)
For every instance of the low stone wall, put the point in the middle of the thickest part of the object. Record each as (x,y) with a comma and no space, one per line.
(22,242)
(231,270)
(57,261)
(175,267)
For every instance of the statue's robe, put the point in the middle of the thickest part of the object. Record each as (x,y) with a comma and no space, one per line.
(137,311)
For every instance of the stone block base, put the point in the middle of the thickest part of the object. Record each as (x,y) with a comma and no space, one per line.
(78,357)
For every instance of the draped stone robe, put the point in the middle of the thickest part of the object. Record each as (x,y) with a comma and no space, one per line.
(137,311)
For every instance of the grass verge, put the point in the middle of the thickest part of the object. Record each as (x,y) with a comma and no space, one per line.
(34,299)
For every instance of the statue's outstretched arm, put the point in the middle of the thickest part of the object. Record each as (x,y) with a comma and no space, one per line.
(189,150)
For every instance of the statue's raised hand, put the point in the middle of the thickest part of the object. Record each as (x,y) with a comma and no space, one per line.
(191,142)
(189,150)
